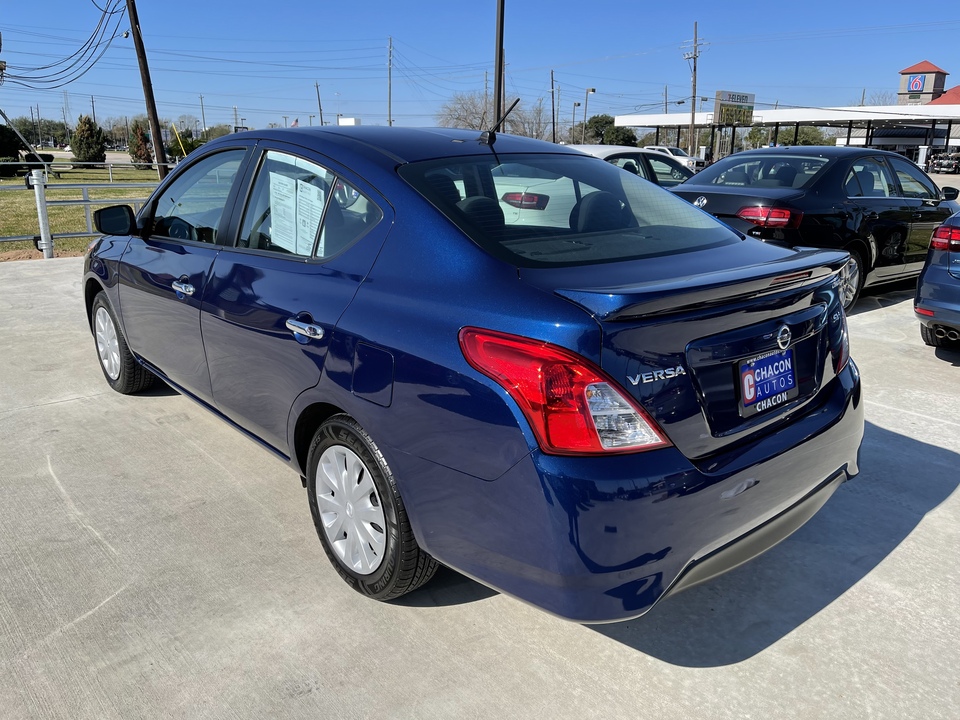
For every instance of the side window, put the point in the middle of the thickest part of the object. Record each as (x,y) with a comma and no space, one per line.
(869,178)
(300,208)
(630,164)
(913,183)
(192,206)
(667,174)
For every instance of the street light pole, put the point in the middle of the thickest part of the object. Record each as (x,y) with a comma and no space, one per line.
(158,148)
(573,120)
(583,130)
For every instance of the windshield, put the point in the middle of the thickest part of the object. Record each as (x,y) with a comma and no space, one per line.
(677,151)
(561,210)
(766,170)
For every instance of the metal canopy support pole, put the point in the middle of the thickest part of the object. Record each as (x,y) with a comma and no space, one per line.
(849,132)
(946,140)
(776,132)
(796,133)
(868,139)
(656,136)
(678,136)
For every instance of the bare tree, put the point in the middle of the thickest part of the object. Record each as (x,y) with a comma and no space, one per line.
(471,111)
(532,122)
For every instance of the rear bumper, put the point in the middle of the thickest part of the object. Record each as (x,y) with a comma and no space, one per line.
(604,539)
(938,292)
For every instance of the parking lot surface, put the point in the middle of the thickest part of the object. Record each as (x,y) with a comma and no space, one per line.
(156,563)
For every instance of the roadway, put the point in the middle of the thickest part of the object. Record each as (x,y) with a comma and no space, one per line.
(156,563)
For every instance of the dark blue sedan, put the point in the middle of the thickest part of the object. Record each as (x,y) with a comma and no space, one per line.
(489,352)
(937,303)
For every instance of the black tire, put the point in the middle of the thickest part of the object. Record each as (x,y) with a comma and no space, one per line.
(120,368)
(853,276)
(378,557)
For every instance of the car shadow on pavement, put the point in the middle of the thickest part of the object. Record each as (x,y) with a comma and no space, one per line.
(448,587)
(948,355)
(737,615)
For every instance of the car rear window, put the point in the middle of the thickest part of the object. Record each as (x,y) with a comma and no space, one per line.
(546,210)
(768,170)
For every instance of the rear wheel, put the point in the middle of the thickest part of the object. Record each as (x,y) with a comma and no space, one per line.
(851,278)
(120,368)
(359,515)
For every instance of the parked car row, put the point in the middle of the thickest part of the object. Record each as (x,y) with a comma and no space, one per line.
(588,412)
(946,163)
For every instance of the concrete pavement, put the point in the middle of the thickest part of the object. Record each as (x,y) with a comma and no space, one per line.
(156,563)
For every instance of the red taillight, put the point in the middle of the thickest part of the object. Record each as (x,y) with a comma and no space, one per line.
(946,237)
(571,405)
(923,311)
(843,352)
(526,201)
(770,217)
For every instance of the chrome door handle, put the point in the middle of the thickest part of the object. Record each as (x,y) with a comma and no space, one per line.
(182,287)
(314,332)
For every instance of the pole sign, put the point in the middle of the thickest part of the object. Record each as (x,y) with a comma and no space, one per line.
(733,108)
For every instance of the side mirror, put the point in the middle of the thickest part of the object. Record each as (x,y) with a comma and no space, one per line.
(950,193)
(115,220)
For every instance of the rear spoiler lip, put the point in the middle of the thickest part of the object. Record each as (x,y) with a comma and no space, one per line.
(612,304)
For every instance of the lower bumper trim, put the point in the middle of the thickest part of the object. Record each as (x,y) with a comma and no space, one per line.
(760,539)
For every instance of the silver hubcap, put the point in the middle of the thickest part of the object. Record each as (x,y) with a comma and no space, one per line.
(350,510)
(108,345)
(851,279)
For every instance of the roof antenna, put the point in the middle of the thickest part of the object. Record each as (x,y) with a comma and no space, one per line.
(489,137)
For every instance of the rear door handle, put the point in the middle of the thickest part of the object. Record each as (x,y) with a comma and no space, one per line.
(309,330)
(183,288)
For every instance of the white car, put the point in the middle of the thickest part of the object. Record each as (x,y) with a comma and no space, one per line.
(648,164)
(694,163)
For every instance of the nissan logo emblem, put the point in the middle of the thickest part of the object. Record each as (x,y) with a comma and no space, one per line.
(700,201)
(784,336)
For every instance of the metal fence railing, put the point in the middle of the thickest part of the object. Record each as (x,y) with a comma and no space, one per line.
(36,183)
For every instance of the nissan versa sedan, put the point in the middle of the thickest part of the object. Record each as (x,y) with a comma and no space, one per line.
(587,417)
(876,205)
(937,304)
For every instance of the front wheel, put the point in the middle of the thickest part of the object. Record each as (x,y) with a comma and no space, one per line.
(359,515)
(851,279)
(120,368)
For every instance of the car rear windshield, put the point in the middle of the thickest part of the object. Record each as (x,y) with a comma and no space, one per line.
(767,170)
(562,210)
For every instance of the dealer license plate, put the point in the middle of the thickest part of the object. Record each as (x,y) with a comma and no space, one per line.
(766,381)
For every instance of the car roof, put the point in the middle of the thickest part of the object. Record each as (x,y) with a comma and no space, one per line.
(603,151)
(403,144)
(827,151)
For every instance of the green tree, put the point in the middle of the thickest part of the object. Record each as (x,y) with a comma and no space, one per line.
(89,144)
(597,125)
(216,131)
(619,136)
(10,144)
(139,144)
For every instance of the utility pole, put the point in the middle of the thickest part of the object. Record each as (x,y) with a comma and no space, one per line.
(498,69)
(553,108)
(236,118)
(203,118)
(66,128)
(158,149)
(390,83)
(692,57)
(319,104)
(93,109)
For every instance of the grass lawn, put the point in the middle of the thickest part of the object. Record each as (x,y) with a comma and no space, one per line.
(18,210)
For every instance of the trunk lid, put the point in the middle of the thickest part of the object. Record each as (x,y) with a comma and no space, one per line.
(682,345)
(724,202)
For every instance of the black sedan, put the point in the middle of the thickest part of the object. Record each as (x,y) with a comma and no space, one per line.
(876,205)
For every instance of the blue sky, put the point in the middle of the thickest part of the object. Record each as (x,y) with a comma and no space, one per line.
(263,58)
